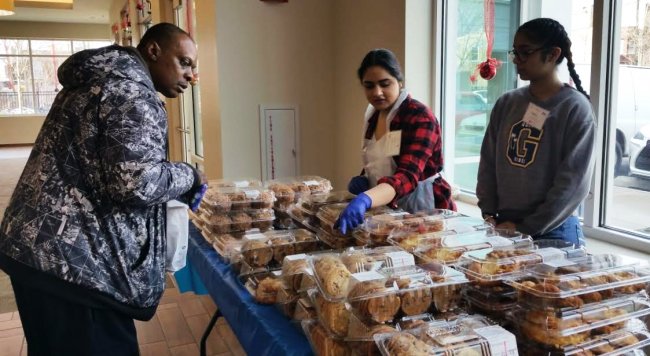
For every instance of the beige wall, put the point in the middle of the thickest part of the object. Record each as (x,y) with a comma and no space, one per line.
(24,129)
(359,26)
(275,53)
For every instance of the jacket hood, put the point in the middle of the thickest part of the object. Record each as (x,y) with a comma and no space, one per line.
(97,65)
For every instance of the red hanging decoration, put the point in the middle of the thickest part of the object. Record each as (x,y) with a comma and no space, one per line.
(487,69)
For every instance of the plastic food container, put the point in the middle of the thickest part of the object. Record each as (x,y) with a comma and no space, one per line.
(579,326)
(237,221)
(228,246)
(267,288)
(360,336)
(449,248)
(235,183)
(334,316)
(289,190)
(323,343)
(563,283)
(491,265)
(379,227)
(329,214)
(304,310)
(222,200)
(296,273)
(617,343)
(463,336)
(336,273)
(270,248)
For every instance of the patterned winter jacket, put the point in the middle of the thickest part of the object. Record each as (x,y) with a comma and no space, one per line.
(89,208)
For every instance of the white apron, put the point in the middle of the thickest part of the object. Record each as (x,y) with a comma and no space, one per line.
(377,163)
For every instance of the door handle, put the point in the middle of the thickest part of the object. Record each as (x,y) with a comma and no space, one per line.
(182,130)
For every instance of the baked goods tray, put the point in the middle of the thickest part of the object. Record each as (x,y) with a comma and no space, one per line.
(489,236)
(448,249)
(601,318)
(380,272)
(311,203)
(225,199)
(423,221)
(329,214)
(234,183)
(492,265)
(464,336)
(323,343)
(377,229)
(236,221)
(268,249)
(289,190)
(333,271)
(621,342)
(572,283)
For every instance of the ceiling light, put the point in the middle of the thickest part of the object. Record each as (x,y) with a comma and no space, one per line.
(6,7)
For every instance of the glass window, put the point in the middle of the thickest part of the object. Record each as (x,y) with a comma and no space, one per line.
(51,47)
(470,102)
(627,200)
(13,46)
(28,73)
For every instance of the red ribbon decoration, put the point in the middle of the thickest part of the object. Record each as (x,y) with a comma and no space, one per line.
(487,69)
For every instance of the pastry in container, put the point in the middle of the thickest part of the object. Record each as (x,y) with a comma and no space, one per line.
(464,336)
(360,336)
(492,265)
(558,329)
(323,343)
(284,195)
(265,287)
(234,183)
(220,200)
(334,271)
(574,283)
(379,227)
(257,252)
(449,248)
(334,316)
(623,342)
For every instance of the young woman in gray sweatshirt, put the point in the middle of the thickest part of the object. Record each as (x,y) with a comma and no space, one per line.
(536,158)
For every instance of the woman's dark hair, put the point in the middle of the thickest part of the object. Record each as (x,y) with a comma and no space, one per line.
(383,58)
(162,33)
(550,33)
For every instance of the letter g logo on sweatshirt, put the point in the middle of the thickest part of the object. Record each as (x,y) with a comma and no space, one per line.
(523,143)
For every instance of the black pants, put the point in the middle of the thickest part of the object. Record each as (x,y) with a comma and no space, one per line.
(56,326)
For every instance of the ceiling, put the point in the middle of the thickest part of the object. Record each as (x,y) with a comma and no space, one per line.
(83,11)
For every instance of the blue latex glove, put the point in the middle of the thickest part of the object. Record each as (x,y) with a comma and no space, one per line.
(358,185)
(353,214)
(195,199)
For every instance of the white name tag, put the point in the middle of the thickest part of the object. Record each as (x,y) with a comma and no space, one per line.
(535,116)
(392,141)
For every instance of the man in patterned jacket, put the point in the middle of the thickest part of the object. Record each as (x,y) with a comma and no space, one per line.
(83,237)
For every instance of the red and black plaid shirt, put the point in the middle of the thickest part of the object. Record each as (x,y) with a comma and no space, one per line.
(420,154)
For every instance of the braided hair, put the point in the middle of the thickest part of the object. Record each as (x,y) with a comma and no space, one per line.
(551,33)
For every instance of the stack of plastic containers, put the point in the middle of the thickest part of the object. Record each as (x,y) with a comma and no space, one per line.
(446,247)
(367,291)
(376,229)
(472,335)
(234,210)
(304,212)
(594,305)
(488,268)
(328,232)
(290,190)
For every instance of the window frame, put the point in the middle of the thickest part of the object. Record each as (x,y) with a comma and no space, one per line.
(31,57)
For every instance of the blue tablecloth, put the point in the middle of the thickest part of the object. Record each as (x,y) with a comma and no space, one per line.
(261,329)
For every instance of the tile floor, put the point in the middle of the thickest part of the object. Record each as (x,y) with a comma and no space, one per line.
(176,329)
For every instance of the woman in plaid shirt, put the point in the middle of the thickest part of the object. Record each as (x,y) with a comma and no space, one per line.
(402,150)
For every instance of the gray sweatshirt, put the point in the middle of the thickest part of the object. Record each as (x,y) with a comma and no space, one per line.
(536,178)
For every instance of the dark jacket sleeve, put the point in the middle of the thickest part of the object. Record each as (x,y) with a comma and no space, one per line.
(133,148)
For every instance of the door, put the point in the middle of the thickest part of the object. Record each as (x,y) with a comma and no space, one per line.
(279,143)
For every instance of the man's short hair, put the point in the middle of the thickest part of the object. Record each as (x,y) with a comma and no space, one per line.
(162,34)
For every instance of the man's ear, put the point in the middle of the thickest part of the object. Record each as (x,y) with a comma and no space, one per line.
(153,51)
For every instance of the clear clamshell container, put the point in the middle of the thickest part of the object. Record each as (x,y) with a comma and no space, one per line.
(566,283)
